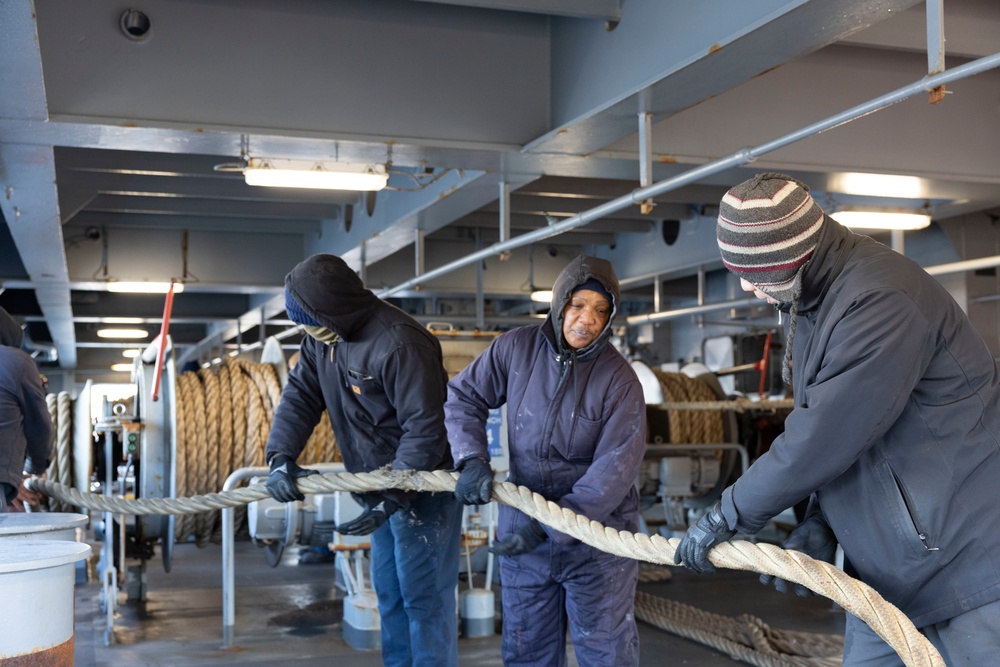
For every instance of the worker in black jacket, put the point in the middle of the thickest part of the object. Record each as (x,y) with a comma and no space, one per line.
(380,376)
(25,426)
(895,434)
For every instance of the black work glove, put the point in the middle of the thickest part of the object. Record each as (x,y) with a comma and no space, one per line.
(710,530)
(475,482)
(377,511)
(814,538)
(281,482)
(521,541)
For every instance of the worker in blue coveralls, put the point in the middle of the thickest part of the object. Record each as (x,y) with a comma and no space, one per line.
(380,376)
(576,432)
(894,436)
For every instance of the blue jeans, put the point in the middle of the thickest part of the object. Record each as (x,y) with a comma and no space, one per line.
(415,574)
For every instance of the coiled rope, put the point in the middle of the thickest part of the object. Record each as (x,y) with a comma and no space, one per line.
(223,420)
(60,468)
(746,638)
(694,426)
(823,578)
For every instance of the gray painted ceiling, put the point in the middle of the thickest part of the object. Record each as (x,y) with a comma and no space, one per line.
(111,145)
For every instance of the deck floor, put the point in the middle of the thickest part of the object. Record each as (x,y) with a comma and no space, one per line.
(291,615)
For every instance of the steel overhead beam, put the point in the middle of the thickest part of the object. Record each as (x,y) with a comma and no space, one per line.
(739,158)
(593,9)
(637,69)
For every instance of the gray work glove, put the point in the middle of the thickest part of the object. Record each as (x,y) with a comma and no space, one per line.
(814,538)
(521,541)
(281,482)
(475,482)
(710,530)
(377,511)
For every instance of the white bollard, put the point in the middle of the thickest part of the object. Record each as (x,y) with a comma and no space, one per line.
(37,578)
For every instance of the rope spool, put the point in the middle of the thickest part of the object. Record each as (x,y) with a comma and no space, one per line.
(823,578)
(690,426)
(60,468)
(223,421)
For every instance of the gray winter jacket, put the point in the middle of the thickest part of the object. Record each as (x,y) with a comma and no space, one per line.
(896,429)
(575,419)
(383,384)
(25,425)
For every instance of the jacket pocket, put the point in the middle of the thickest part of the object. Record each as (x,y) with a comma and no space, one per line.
(580,445)
(909,524)
(362,384)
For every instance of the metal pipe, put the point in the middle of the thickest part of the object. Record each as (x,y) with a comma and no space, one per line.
(228,538)
(964,266)
(739,158)
(693,310)
(938,270)
(504,211)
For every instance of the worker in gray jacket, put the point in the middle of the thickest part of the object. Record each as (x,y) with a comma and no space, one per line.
(379,375)
(895,433)
(25,426)
(576,433)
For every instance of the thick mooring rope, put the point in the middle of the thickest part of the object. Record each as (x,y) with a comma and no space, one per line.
(60,468)
(695,426)
(735,405)
(823,578)
(223,420)
(745,638)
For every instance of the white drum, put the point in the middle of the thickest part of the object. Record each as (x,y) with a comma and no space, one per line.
(42,526)
(37,579)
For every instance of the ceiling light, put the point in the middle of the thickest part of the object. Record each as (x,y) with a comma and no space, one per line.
(131,354)
(542,296)
(144,287)
(315,174)
(122,333)
(881,220)
(878,185)
(121,368)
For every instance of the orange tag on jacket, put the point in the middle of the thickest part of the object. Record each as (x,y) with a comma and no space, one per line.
(356,388)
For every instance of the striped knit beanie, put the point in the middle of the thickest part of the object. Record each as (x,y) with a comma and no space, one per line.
(767,230)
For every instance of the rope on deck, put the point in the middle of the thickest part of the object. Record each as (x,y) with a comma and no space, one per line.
(822,578)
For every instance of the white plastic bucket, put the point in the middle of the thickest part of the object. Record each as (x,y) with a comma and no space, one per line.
(37,579)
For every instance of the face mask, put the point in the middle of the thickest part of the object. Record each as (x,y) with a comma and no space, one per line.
(322,334)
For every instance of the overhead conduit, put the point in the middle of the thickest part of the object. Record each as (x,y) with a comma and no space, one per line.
(739,158)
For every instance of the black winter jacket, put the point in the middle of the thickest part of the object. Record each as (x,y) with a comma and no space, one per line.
(25,425)
(383,384)
(896,429)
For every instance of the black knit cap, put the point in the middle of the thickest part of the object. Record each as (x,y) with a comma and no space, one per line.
(767,230)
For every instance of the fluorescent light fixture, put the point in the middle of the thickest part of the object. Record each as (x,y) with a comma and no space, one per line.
(881,220)
(143,287)
(121,368)
(542,296)
(122,333)
(131,354)
(282,173)
(878,185)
